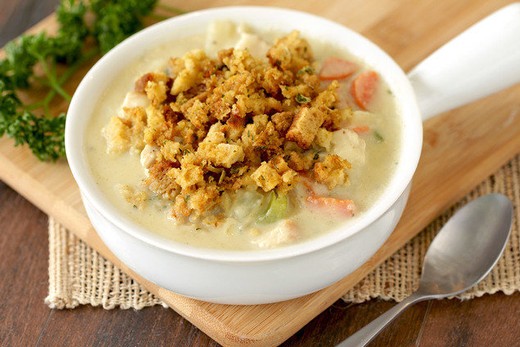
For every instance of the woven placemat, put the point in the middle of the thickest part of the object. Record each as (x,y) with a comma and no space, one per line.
(78,275)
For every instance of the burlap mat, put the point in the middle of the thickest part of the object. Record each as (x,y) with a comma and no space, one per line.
(78,275)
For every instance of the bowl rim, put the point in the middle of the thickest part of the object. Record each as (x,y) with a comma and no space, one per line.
(411,136)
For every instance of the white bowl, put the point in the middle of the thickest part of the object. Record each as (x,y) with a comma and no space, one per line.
(244,277)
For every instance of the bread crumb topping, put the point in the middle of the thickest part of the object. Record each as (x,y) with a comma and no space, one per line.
(209,127)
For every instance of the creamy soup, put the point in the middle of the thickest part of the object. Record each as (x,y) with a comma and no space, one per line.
(235,172)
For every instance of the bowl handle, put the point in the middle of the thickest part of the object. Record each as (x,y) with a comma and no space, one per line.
(482,60)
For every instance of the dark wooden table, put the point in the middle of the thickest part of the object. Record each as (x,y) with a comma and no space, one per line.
(26,321)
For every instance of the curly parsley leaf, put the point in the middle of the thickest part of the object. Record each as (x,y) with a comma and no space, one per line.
(112,21)
(9,103)
(19,63)
(44,136)
(69,40)
(117,20)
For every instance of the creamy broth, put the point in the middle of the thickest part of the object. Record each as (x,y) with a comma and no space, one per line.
(367,181)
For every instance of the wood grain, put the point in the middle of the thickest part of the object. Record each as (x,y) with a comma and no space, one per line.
(443,177)
(23,257)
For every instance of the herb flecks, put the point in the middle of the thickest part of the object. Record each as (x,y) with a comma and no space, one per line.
(305,70)
(302,99)
(379,138)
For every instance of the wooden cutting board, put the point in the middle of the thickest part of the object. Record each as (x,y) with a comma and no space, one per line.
(461,149)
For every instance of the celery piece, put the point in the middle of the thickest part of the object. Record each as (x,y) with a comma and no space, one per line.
(277,209)
(379,138)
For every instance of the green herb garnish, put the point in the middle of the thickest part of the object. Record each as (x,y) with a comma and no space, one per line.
(305,70)
(49,61)
(378,137)
(302,99)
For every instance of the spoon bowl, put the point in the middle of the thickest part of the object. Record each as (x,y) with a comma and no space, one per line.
(460,256)
(468,247)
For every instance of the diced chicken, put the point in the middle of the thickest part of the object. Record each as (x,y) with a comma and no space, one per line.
(148,157)
(349,145)
(133,99)
(254,44)
(220,35)
(362,118)
(225,34)
(247,203)
(285,232)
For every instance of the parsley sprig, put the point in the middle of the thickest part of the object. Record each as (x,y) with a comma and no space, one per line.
(87,28)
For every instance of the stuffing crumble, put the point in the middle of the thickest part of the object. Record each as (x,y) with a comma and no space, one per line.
(137,198)
(209,127)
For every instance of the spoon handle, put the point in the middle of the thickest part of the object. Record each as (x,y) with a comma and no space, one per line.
(370,331)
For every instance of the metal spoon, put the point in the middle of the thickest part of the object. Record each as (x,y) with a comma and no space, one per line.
(460,256)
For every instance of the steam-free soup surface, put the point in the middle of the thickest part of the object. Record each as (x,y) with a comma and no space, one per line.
(255,216)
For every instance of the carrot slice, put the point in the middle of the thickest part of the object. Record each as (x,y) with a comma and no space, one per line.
(345,207)
(363,88)
(362,129)
(336,69)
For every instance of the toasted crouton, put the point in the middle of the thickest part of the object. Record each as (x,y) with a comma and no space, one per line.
(268,139)
(291,52)
(324,138)
(305,126)
(187,176)
(191,73)
(117,135)
(142,82)
(331,171)
(155,125)
(282,121)
(170,149)
(225,155)
(299,162)
(266,177)
(156,92)
(196,112)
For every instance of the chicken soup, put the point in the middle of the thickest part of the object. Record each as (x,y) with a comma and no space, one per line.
(242,140)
